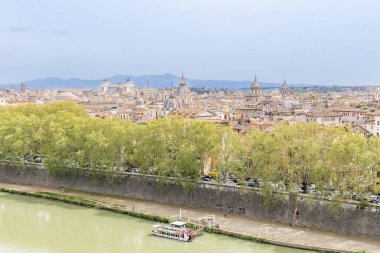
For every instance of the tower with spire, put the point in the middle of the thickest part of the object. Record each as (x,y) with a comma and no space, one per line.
(284,90)
(183,80)
(255,94)
(255,87)
(182,87)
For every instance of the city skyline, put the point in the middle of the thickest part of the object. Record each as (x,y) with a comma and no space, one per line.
(324,42)
(165,80)
(255,123)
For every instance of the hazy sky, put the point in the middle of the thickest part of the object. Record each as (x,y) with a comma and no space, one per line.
(310,41)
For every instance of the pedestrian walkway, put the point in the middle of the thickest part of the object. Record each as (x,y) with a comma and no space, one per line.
(272,231)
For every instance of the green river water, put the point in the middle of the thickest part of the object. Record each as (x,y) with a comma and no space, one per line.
(34,225)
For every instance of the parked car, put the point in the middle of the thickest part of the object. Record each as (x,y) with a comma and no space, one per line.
(206,178)
(253,183)
(374,198)
(310,187)
(132,170)
(37,159)
(232,178)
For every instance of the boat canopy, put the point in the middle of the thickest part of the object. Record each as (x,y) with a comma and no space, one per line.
(178,223)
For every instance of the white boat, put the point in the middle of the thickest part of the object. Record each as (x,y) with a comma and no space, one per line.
(176,230)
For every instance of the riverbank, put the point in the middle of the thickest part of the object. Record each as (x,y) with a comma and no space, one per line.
(232,225)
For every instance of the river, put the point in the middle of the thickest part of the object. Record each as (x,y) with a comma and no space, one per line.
(31,225)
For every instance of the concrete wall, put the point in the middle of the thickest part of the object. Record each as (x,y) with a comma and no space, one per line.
(308,212)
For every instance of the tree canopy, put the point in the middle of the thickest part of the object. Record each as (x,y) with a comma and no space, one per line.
(333,158)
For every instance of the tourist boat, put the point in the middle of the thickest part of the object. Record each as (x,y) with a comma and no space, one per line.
(176,230)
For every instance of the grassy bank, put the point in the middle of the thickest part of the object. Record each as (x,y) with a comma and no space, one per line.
(235,235)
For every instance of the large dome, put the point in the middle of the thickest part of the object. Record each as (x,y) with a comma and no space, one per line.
(182,88)
(172,103)
(285,85)
(255,84)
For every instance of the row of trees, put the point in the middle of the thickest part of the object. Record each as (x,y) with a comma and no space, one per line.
(299,154)
(334,158)
(66,137)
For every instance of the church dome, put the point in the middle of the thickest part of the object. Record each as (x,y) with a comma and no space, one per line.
(285,89)
(172,103)
(255,86)
(285,85)
(182,88)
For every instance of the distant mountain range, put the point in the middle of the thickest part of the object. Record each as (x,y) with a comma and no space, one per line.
(151,81)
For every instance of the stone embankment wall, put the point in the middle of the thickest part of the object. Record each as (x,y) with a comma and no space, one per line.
(308,212)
